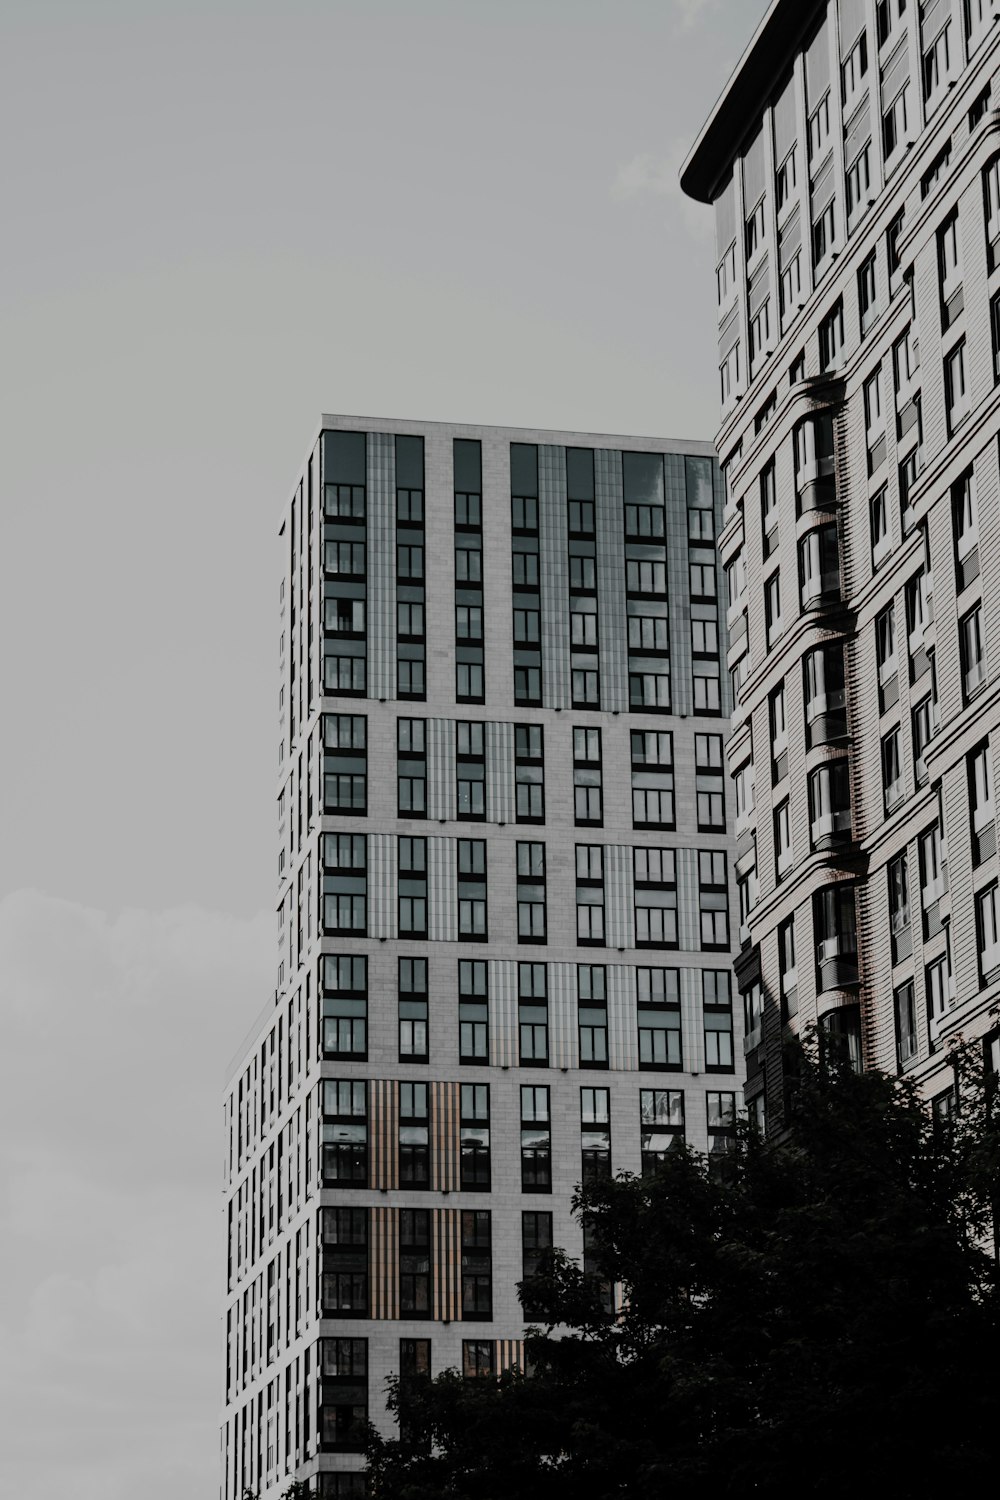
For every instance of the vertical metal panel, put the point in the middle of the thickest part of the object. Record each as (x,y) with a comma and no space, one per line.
(503,1012)
(442,890)
(447,1260)
(623,1035)
(564,1039)
(445,1143)
(381,565)
(688,910)
(383,1132)
(554,575)
(383,1262)
(619,896)
(500,807)
(509,1355)
(678,585)
(440,745)
(383,885)
(692,1030)
(611,615)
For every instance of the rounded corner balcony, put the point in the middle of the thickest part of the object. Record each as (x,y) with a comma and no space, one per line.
(815,463)
(836,936)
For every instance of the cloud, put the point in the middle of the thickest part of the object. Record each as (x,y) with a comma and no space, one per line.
(651,176)
(116,1034)
(689,12)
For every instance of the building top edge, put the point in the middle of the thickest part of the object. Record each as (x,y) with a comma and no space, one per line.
(249,1042)
(737,107)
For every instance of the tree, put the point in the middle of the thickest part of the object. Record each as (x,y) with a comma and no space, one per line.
(821,1314)
(297,1490)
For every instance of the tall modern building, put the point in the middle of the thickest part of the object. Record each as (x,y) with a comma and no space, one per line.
(504,883)
(854,164)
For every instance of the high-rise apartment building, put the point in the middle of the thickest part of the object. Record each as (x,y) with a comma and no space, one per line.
(504,890)
(854,164)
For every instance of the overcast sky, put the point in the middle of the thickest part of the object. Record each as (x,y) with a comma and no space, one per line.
(220,220)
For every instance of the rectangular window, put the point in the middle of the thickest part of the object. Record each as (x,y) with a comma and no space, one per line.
(343,1414)
(717,1008)
(592,1009)
(532,1015)
(595,1135)
(831,338)
(904,1005)
(529,773)
(982,808)
(344,1285)
(536,1243)
(473,1011)
(590,894)
(474,1152)
(588,808)
(345,764)
(940,991)
(413,1009)
(412,887)
(414,1136)
(788,971)
(899,909)
(973,650)
(345,884)
(868,293)
(880,534)
(472,890)
(345,1133)
(478,1359)
(783,857)
(772,608)
(709,788)
(652,779)
(655,879)
(720,1111)
(411,768)
(536,1140)
(531,914)
(415,1263)
(470,770)
(829,805)
(858,182)
(988,930)
(779,734)
(713,901)
(661,1124)
(659,1017)
(345,1006)
(893,788)
(477,1264)
(956,387)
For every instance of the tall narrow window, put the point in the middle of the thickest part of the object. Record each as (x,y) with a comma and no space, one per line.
(592,1005)
(410,600)
(413,1009)
(533,1015)
(475,1137)
(536,1140)
(345,764)
(661,1124)
(595,1134)
(414,1136)
(652,779)
(415,1262)
(473,1011)
(717,1007)
(531,921)
(709,785)
(529,773)
(345,1133)
(590,894)
(472,890)
(469,638)
(412,887)
(713,900)
(655,879)
(588,805)
(470,772)
(527,600)
(659,1017)
(477,1264)
(345,884)
(344,1285)
(345,1006)
(411,768)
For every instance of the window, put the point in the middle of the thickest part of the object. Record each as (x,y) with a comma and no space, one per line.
(772,608)
(904,1005)
(785,178)
(991,193)
(881,538)
(768,516)
(783,858)
(899,909)
(536,1140)
(853,71)
(411,768)
(652,779)
(988,930)
(868,293)
(473,1011)
(529,773)
(470,761)
(835,931)
(345,1133)
(477,1359)
(831,338)
(745,780)
(414,1136)
(894,121)
(648,633)
(661,1124)
(531,917)
(345,764)
(829,805)
(779,734)
(590,894)
(819,566)
(587,778)
(885,654)
(595,1135)
(982,807)
(655,880)
(924,726)
(345,1006)
(949,265)
(755,230)
(893,790)
(477,1264)
(995,334)
(413,1009)
(708,781)
(659,1013)
(414,1262)
(344,1285)
(536,1242)
(965,520)
(933,879)
(858,181)
(940,991)
(532,1015)
(720,1110)
(935,64)
(956,389)
(893,236)
(787,971)
(823,231)
(474,1144)
(471,890)
(973,652)
(718,1020)
(343,1415)
(345,883)
(713,900)
(592,1009)
(412,887)
(874,419)
(819,128)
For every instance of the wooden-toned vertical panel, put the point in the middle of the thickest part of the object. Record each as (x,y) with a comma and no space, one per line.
(508,1355)
(383,1261)
(445,1129)
(383,1132)
(447,1260)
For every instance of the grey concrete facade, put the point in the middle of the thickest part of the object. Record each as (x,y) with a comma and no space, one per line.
(409,834)
(854,165)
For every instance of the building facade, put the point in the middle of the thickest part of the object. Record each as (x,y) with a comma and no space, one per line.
(854,165)
(504,883)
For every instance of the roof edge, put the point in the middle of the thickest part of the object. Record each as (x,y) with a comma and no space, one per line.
(765,55)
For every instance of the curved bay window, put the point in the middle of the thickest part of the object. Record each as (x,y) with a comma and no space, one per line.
(825,695)
(836,935)
(840,1034)
(815,482)
(830,805)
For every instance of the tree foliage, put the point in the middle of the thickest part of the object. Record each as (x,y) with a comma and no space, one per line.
(822,1316)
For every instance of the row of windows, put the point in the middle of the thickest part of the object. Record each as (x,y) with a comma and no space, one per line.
(345,1136)
(658,998)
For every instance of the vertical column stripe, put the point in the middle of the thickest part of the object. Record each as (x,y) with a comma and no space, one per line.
(611,614)
(554,574)
(381,565)
(503,1012)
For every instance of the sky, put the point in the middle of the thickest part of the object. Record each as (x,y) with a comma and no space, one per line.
(220,221)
